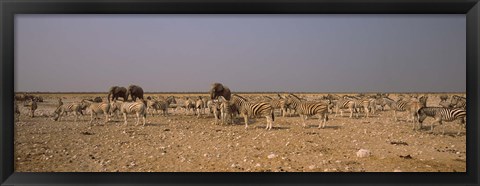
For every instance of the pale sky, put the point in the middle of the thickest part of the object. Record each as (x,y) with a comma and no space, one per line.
(288,53)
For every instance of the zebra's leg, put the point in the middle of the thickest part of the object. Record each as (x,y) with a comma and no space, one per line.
(320,122)
(245,117)
(75,114)
(323,120)
(106,117)
(91,118)
(367,110)
(394,115)
(138,118)
(303,120)
(125,118)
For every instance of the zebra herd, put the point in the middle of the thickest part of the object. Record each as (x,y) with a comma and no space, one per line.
(227,111)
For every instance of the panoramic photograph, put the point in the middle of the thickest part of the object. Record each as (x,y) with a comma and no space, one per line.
(240,93)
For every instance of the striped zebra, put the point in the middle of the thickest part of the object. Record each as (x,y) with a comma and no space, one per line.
(278,103)
(205,104)
(199,106)
(163,105)
(459,102)
(441,114)
(97,108)
(115,107)
(247,109)
(139,108)
(152,106)
(189,105)
(75,108)
(344,103)
(305,109)
(401,105)
(32,106)
(227,109)
(361,104)
(210,106)
(216,110)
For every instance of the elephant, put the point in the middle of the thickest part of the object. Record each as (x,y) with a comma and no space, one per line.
(135,92)
(219,90)
(117,92)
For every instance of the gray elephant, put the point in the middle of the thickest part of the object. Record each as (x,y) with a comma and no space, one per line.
(135,92)
(117,92)
(218,89)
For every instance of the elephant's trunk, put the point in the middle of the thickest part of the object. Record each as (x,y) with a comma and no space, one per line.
(212,94)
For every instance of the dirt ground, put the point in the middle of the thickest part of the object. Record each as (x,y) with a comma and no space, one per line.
(185,143)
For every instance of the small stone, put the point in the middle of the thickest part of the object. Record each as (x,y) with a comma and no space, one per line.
(362,153)
(311,167)
(396,170)
(271,156)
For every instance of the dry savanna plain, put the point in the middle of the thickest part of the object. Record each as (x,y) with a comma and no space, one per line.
(183,142)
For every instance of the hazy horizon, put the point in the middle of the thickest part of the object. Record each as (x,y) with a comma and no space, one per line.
(247,53)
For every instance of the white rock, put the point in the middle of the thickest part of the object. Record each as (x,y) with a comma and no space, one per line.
(362,153)
(271,156)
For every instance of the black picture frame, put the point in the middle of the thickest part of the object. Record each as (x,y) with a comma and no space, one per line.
(471,8)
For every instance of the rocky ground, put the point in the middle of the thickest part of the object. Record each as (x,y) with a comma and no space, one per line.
(186,143)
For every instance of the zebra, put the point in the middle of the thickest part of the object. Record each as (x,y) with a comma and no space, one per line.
(305,109)
(98,108)
(199,106)
(360,103)
(247,109)
(115,108)
(459,102)
(344,103)
(152,106)
(139,108)
(75,108)
(402,105)
(189,105)
(227,108)
(441,114)
(216,109)
(163,105)
(380,101)
(32,106)
(205,104)
(210,106)
(278,104)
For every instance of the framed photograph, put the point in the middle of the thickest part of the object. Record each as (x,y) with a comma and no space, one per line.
(233,92)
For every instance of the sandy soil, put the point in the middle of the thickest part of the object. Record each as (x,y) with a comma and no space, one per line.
(182,142)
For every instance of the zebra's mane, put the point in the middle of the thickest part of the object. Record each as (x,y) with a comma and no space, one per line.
(239,96)
(295,96)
